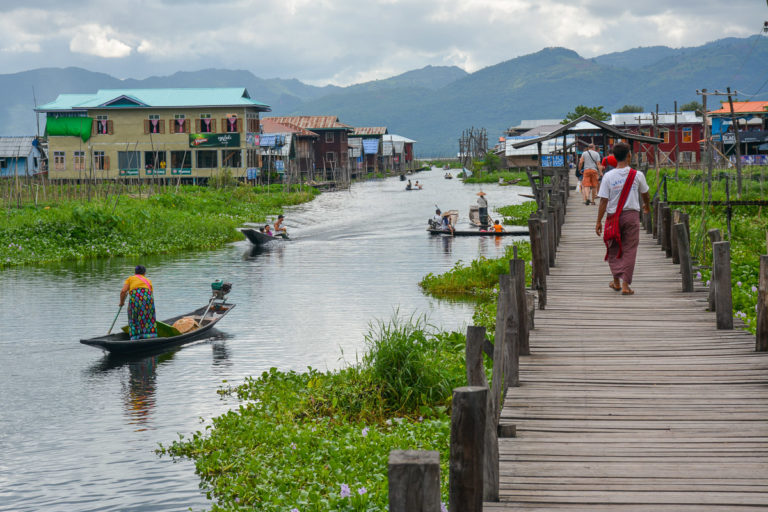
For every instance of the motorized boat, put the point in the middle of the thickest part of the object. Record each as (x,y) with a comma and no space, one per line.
(256,237)
(205,318)
(510,231)
(448,176)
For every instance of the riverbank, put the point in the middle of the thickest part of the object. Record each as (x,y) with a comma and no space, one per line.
(192,218)
(318,441)
(748,226)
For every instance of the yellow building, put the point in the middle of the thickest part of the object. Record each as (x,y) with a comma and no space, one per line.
(146,133)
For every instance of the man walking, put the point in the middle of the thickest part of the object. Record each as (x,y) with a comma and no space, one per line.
(590,163)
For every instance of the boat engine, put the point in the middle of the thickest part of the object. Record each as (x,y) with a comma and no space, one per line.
(220,289)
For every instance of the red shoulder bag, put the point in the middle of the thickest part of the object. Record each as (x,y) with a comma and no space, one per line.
(612,234)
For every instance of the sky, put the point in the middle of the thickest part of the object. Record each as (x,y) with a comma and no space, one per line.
(343,42)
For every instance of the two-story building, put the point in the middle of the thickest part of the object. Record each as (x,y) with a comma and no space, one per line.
(290,144)
(366,147)
(145,133)
(687,138)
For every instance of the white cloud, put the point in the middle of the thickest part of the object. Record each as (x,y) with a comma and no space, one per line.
(93,39)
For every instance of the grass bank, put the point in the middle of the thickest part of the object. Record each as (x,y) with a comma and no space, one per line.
(191,219)
(748,226)
(319,441)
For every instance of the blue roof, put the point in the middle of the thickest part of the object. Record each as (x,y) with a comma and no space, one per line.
(155,98)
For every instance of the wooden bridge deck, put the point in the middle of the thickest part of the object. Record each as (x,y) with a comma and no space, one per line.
(633,403)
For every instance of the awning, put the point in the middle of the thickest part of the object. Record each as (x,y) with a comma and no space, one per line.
(69,126)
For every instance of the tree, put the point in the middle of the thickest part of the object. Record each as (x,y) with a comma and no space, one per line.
(692,106)
(630,109)
(593,112)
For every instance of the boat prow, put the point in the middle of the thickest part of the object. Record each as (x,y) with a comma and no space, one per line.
(256,237)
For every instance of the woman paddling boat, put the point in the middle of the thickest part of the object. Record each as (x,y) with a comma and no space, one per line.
(141,305)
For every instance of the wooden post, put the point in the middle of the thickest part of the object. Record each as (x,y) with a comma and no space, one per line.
(551,239)
(660,223)
(465,479)
(673,241)
(511,333)
(517,271)
(500,352)
(714,236)
(761,338)
(735,124)
(476,377)
(544,222)
(538,275)
(654,215)
(677,144)
(414,481)
(684,252)
(723,298)
(666,243)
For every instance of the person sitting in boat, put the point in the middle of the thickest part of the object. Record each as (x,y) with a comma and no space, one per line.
(446,223)
(279,225)
(141,305)
(437,220)
(267,230)
(417,185)
(497,227)
(408,186)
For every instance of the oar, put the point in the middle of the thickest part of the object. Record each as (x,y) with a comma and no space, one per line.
(115,320)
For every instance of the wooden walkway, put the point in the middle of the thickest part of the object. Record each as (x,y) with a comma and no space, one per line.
(633,403)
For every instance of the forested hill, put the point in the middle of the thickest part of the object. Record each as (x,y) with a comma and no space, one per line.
(434,104)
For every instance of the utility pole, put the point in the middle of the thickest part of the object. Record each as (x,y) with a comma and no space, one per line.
(677,144)
(705,134)
(735,124)
(656,134)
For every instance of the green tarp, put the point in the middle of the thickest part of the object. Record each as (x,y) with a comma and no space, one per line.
(75,126)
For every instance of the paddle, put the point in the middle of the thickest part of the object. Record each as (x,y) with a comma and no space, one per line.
(115,320)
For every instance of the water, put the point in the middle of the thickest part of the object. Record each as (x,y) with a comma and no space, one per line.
(78,429)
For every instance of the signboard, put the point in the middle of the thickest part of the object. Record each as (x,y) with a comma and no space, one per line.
(552,161)
(181,172)
(129,172)
(214,140)
(252,140)
(252,173)
(751,159)
(370,146)
(280,165)
(155,172)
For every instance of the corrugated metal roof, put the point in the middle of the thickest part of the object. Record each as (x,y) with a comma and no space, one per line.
(16,147)
(646,118)
(166,98)
(269,125)
(313,122)
(361,131)
(743,107)
(527,124)
(397,138)
(547,146)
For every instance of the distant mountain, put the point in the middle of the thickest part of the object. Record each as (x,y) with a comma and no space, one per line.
(434,104)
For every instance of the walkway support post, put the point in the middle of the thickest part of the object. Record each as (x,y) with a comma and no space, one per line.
(761,342)
(414,481)
(465,481)
(714,236)
(538,275)
(509,333)
(666,218)
(517,271)
(684,256)
(653,220)
(551,236)
(673,240)
(723,299)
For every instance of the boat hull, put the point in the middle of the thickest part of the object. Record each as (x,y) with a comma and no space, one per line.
(256,237)
(509,232)
(120,343)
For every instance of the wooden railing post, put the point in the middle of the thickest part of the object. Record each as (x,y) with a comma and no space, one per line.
(653,220)
(666,218)
(510,332)
(551,238)
(723,299)
(517,271)
(659,222)
(761,337)
(538,275)
(414,481)
(465,480)
(673,240)
(714,236)
(684,256)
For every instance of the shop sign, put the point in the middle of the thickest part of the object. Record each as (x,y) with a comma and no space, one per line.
(552,161)
(181,172)
(214,140)
(252,140)
(129,172)
(155,172)
(252,173)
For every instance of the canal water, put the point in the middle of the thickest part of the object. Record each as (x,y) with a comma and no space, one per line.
(78,429)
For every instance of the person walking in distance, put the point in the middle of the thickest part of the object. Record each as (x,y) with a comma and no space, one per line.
(618,197)
(592,170)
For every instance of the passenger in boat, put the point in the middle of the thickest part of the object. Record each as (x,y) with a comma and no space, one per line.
(497,227)
(437,219)
(408,186)
(279,225)
(417,185)
(141,305)
(267,230)
(446,223)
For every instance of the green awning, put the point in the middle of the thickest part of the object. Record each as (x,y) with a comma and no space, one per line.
(75,126)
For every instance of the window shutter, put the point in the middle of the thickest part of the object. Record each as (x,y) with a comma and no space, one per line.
(161,125)
(109,127)
(146,126)
(197,125)
(171,126)
(224,125)
(106,163)
(213,126)
(94,129)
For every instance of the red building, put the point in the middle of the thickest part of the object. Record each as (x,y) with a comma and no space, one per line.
(332,148)
(687,137)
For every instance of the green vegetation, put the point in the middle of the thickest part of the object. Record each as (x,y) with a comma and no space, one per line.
(493,177)
(692,106)
(629,109)
(517,214)
(194,218)
(593,112)
(748,227)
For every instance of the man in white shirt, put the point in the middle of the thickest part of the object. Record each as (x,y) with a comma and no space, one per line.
(590,164)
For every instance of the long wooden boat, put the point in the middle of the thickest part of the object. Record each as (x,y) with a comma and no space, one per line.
(515,231)
(256,237)
(121,343)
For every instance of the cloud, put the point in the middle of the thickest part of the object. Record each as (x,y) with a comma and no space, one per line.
(95,40)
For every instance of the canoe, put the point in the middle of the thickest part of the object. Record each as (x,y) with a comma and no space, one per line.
(513,231)
(120,343)
(256,237)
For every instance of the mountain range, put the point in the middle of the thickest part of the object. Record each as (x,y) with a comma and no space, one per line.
(436,103)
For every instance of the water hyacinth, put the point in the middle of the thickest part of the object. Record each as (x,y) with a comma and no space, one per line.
(698,275)
(739,284)
(362,491)
(365,431)
(345,491)
(754,288)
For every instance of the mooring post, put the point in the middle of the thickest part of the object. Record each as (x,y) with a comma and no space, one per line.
(517,271)
(465,480)
(684,256)
(414,481)
(714,236)
(761,338)
(723,299)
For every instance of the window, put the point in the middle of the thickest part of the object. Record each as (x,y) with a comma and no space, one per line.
(330,157)
(231,158)
(344,157)
(205,124)
(103,125)
(329,137)
(688,157)
(181,160)
(206,159)
(253,124)
(128,160)
(59,161)
(688,134)
(154,160)
(154,124)
(665,135)
(231,124)
(180,124)
(343,137)
(100,161)
(78,160)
